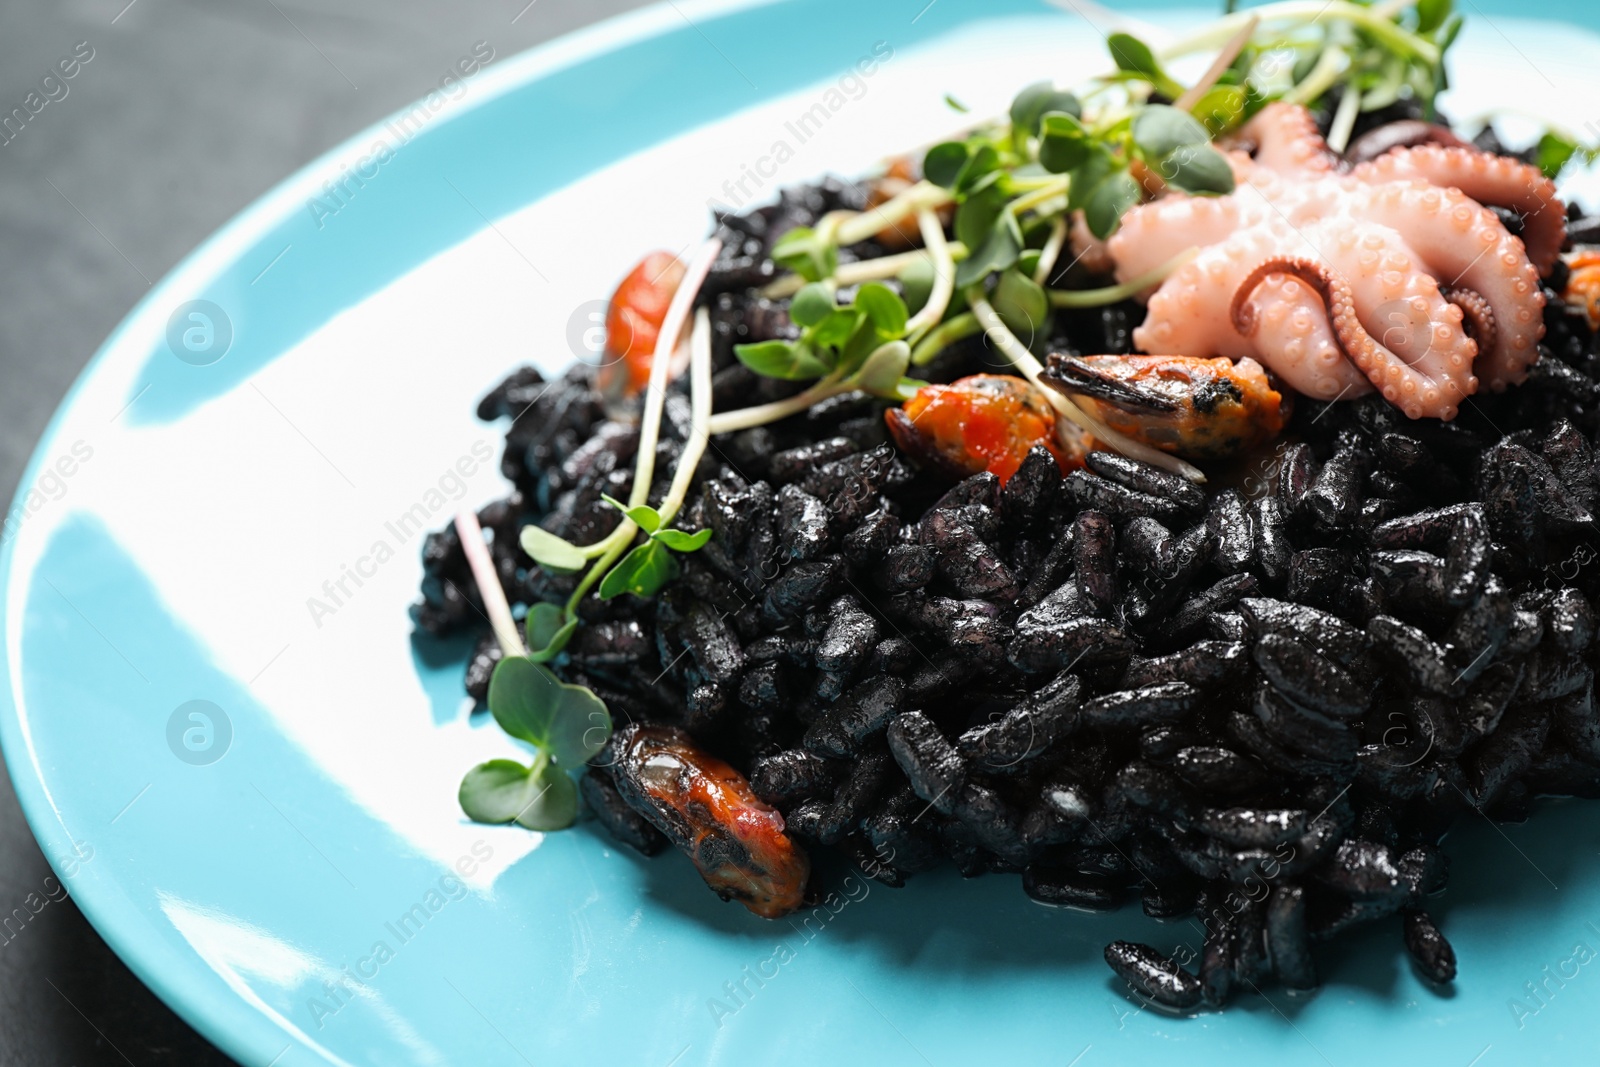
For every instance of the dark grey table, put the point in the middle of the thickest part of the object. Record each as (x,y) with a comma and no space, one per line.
(184,113)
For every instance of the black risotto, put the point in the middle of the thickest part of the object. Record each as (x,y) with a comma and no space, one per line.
(1262,703)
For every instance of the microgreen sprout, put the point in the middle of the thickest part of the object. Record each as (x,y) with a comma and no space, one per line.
(859,345)
(649,566)
(564,724)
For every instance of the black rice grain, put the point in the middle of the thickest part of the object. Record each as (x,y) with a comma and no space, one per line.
(1309,678)
(1154,975)
(1287,941)
(1144,478)
(1429,950)
(932,765)
(1113,498)
(786,778)
(1145,706)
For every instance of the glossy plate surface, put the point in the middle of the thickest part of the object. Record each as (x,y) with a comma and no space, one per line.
(231,515)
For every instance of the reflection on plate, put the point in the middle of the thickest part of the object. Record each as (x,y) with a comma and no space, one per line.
(245,771)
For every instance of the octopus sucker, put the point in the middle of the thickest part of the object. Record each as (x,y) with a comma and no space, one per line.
(1293,332)
(1419,287)
(1490,180)
(1403,383)
(1476,314)
(1287,141)
(1492,271)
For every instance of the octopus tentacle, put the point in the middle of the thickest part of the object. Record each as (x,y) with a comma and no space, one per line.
(1292,335)
(1406,133)
(1189,312)
(1488,179)
(1287,141)
(1088,249)
(1400,304)
(1478,314)
(1466,244)
(1153,233)
(1405,386)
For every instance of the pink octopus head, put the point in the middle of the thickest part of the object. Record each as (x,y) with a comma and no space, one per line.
(1393,277)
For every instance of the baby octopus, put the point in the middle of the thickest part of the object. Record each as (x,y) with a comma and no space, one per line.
(1391,275)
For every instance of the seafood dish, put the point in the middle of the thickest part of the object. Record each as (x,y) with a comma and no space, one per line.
(1168,491)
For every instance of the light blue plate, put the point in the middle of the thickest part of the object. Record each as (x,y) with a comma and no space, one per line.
(227,511)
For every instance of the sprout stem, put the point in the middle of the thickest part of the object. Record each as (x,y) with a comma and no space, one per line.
(1329,66)
(1380,24)
(1219,66)
(861,225)
(944,276)
(1039,197)
(1089,298)
(699,417)
(866,270)
(660,363)
(616,546)
(1051,252)
(943,336)
(1018,353)
(760,415)
(489,588)
(1344,120)
(650,427)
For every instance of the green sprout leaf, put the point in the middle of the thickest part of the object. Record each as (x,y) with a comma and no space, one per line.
(780,359)
(983,163)
(811,304)
(1115,195)
(1087,176)
(1431,14)
(883,370)
(1038,100)
(834,331)
(1133,56)
(541,797)
(1554,152)
(642,572)
(497,791)
(998,250)
(884,309)
(1021,304)
(1222,108)
(975,218)
(857,347)
(1159,130)
(679,541)
(531,704)
(1197,169)
(1447,36)
(549,629)
(552,551)
(1063,143)
(804,251)
(944,162)
(555,799)
(917,282)
(955,105)
(644,516)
